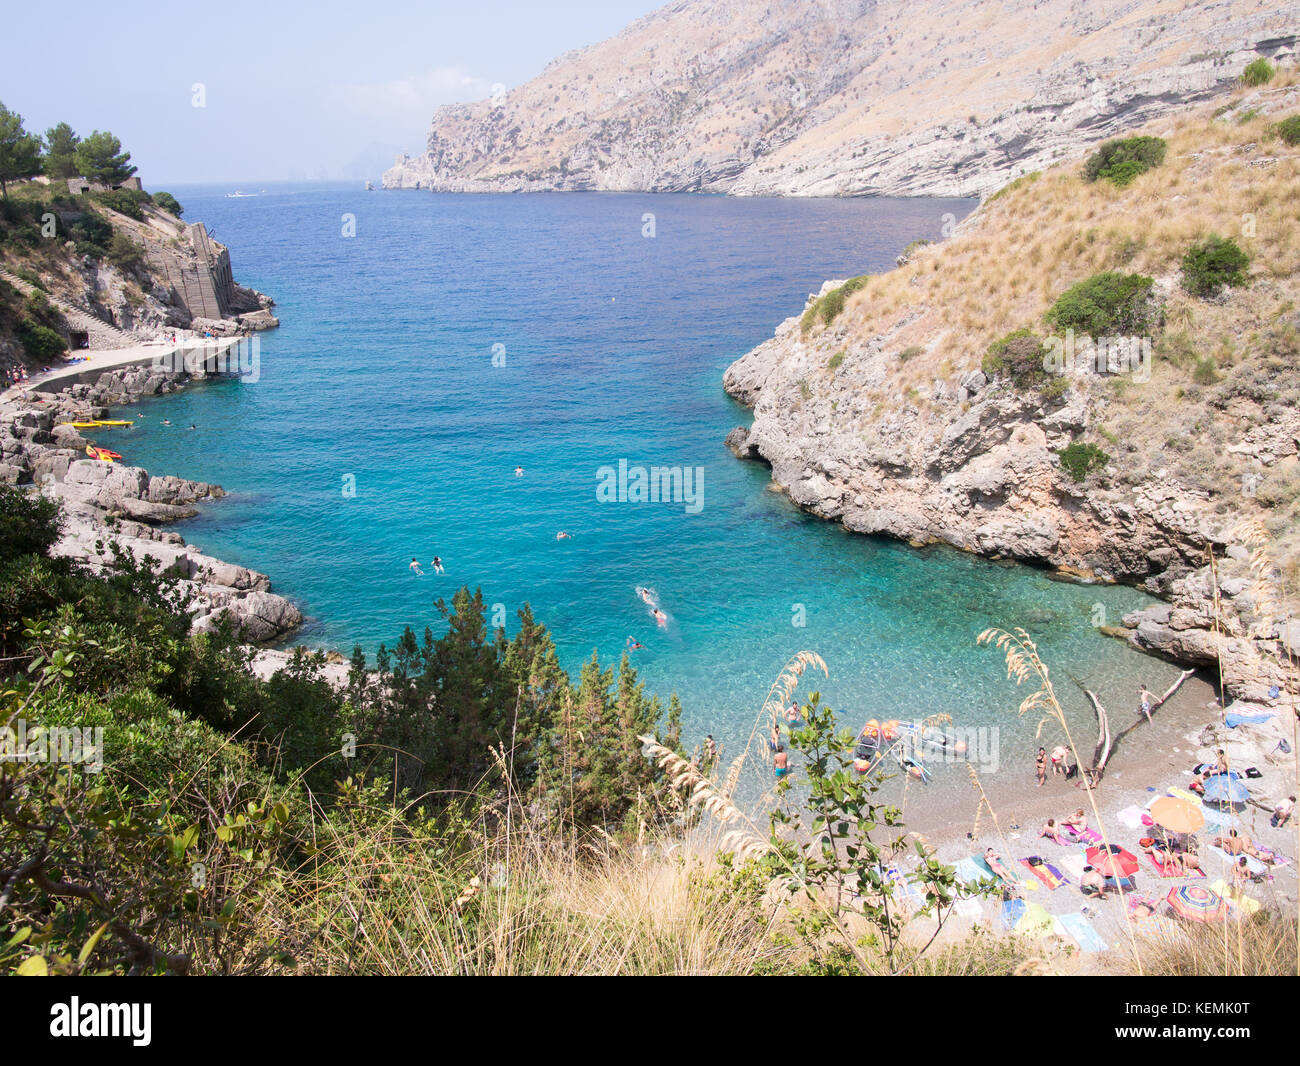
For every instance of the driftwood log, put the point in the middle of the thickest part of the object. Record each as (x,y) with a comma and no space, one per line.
(1106,743)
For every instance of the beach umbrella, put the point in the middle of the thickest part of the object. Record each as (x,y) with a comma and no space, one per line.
(1197,904)
(1225,788)
(1176,815)
(1112,861)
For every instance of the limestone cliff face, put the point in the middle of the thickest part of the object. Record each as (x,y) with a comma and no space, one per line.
(885,416)
(844,97)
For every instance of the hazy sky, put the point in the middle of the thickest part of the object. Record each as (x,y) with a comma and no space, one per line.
(297,89)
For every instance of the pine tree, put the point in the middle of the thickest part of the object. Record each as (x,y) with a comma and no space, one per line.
(60,151)
(20,151)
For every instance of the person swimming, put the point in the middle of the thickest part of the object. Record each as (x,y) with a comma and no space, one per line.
(519,471)
(647,595)
(415,568)
(563,535)
(633,644)
(437,564)
(660,617)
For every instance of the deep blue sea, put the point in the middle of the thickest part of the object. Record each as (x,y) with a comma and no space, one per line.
(382,376)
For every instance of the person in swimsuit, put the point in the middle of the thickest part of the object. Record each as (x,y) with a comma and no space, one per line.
(1040,766)
(1078,821)
(1092,883)
(1282,813)
(519,471)
(437,564)
(710,748)
(563,535)
(1145,701)
(1058,759)
(781,761)
(660,617)
(633,644)
(415,568)
(1052,832)
(646,595)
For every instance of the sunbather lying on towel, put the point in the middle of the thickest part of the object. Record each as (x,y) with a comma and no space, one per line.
(994,861)
(1053,832)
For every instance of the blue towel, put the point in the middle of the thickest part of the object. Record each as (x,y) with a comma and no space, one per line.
(1235,720)
(968,870)
(1081,929)
(1012,911)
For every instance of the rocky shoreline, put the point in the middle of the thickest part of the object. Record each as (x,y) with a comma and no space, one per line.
(105,503)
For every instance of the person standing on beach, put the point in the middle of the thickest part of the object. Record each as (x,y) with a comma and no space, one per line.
(1040,766)
(1145,701)
(1058,759)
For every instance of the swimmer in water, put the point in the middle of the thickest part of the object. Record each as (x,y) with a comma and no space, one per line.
(415,568)
(167,421)
(646,595)
(519,471)
(437,564)
(660,617)
(563,535)
(633,644)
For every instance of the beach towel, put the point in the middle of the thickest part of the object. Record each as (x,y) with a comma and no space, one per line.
(1235,897)
(906,894)
(1233,719)
(1047,873)
(1012,911)
(1184,794)
(969,908)
(1088,836)
(968,870)
(1131,816)
(1252,864)
(1082,931)
(997,870)
(1173,873)
(1073,864)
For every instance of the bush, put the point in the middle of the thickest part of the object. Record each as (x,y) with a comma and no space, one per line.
(1121,161)
(1206,371)
(124,202)
(910,352)
(828,307)
(124,253)
(1079,459)
(40,342)
(836,360)
(168,203)
(1212,264)
(1289,130)
(1260,72)
(1106,304)
(91,234)
(1019,356)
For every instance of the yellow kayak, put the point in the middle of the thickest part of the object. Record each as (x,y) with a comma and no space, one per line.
(103,424)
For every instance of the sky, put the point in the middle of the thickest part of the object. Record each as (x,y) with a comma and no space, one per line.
(287,89)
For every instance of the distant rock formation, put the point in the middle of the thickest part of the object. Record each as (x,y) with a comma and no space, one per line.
(846,97)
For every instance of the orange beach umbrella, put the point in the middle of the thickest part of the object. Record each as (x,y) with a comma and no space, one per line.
(1177,815)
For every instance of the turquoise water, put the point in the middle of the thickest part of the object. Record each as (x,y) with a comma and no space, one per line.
(615,343)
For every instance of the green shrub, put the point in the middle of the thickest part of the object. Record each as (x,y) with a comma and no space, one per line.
(836,360)
(92,234)
(1121,161)
(828,307)
(40,342)
(1206,371)
(1106,304)
(1080,459)
(124,253)
(1213,263)
(1289,130)
(124,202)
(30,276)
(910,352)
(1259,72)
(168,203)
(1019,357)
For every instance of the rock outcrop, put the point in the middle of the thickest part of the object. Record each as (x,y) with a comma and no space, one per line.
(845,97)
(885,410)
(111,508)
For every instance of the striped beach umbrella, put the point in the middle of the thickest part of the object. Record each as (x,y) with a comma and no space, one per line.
(1197,904)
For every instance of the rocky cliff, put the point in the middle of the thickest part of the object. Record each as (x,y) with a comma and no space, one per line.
(880,408)
(846,97)
(110,506)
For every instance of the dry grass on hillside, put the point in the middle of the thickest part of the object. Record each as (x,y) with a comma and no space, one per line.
(1221,367)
